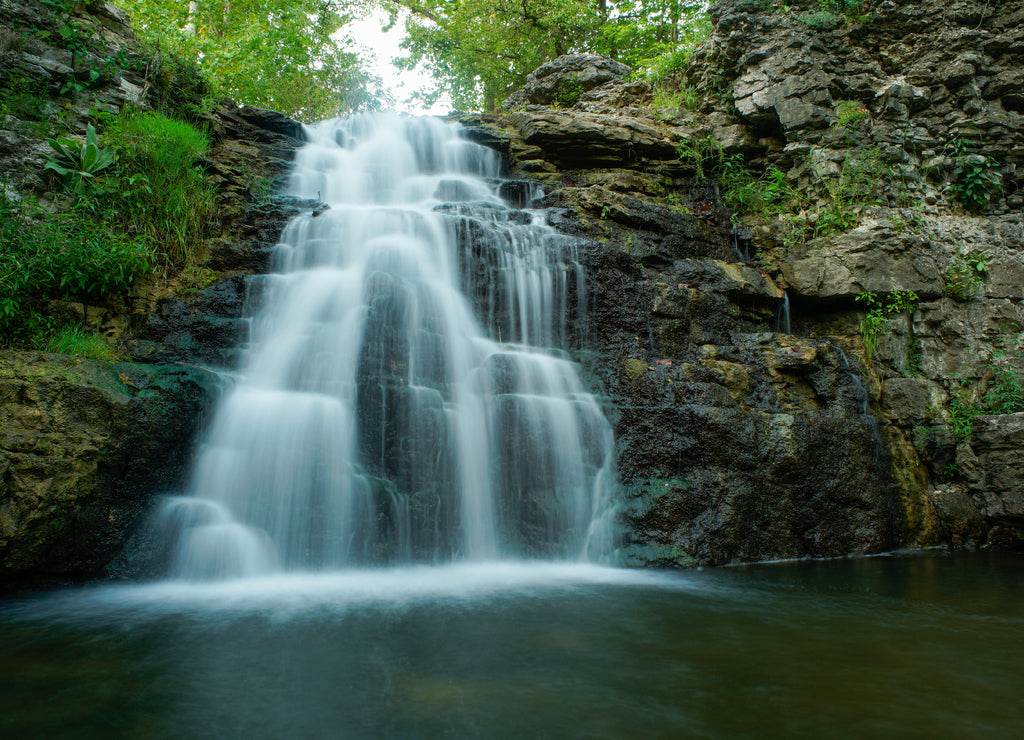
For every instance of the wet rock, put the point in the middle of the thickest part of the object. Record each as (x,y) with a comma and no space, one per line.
(84,445)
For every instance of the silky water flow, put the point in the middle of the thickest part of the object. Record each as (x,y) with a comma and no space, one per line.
(407,395)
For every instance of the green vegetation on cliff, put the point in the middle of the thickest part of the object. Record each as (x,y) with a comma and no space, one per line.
(145,208)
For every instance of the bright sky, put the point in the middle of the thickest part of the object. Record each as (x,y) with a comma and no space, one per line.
(378,49)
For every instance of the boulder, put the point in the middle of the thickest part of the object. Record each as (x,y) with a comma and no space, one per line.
(565,79)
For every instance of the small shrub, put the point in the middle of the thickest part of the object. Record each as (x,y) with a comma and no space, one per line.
(877,313)
(685,97)
(976,178)
(759,195)
(995,388)
(821,20)
(700,153)
(965,276)
(849,113)
(568,91)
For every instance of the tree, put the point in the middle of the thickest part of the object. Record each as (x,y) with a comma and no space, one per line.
(287,55)
(638,31)
(481,50)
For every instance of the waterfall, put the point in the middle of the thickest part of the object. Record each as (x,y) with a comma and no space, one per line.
(407,393)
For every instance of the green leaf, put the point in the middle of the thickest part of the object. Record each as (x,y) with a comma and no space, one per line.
(51,165)
(90,153)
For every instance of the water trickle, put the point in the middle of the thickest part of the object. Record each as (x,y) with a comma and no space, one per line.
(782,323)
(406,395)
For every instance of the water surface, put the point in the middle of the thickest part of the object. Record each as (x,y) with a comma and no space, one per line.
(916,646)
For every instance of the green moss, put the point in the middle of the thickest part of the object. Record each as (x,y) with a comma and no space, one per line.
(644,497)
(634,369)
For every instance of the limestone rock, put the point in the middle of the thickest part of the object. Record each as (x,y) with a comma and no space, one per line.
(870,257)
(992,462)
(568,77)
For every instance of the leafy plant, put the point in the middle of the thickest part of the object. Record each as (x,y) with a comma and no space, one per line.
(77,162)
(760,195)
(700,153)
(568,91)
(994,388)
(976,177)
(878,310)
(965,275)
(858,183)
(849,113)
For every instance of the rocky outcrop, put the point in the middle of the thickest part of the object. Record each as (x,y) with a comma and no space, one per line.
(565,79)
(754,422)
(84,446)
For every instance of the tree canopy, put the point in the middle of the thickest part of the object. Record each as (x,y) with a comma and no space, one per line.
(288,55)
(294,55)
(480,50)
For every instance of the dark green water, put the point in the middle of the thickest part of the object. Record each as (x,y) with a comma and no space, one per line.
(900,647)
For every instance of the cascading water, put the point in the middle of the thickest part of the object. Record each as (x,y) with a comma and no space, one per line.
(377,418)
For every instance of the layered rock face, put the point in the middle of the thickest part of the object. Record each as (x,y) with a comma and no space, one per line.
(757,416)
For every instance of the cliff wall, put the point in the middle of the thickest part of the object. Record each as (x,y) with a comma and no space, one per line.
(811,366)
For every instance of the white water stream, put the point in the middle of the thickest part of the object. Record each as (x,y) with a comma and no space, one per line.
(406,396)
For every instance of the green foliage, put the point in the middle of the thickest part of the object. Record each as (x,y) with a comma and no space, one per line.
(74,38)
(760,195)
(179,88)
(568,91)
(861,179)
(832,14)
(965,275)
(849,113)
(77,342)
(994,388)
(24,97)
(702,154)
(821,20)
(70,255)
(655,38)
(479,51)
(160,191)
(684,97)
(288,55)
(976,178)
(78,162)
(878,309)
